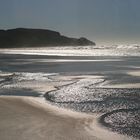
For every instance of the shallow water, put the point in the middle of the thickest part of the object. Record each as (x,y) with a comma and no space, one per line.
(120,107)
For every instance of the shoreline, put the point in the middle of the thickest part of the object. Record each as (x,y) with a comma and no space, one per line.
(30,118)
(25,117)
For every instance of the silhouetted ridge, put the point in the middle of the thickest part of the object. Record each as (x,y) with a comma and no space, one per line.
(22,37)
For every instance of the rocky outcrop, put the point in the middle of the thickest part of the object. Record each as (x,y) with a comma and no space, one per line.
(22,37)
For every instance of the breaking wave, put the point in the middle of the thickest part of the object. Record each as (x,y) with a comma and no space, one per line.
(115,50)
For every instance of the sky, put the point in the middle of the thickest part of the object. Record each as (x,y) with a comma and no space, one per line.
(102,21)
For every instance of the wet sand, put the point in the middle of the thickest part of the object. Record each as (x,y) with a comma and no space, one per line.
(25,114)
(28,118)
(25,83)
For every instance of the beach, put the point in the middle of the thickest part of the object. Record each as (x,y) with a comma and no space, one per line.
(69,97)
(28,118)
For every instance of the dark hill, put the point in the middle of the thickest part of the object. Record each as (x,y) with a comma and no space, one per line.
(21,37)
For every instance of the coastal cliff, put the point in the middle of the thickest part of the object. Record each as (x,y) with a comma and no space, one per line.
(23,37)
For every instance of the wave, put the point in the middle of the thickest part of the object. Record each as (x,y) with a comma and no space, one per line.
(116,50)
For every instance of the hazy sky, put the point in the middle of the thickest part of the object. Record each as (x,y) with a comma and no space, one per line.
(103,21)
